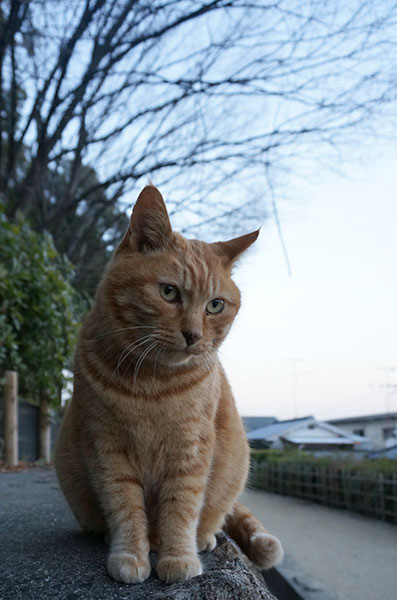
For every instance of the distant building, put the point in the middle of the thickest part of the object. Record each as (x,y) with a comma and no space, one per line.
(380,429)
(390,453)
(251,423)
(306,433)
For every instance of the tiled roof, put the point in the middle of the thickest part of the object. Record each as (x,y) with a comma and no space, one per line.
(275,429)
(364,418)
(251,423)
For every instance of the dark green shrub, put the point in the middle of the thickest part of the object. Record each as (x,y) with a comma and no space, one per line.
(39,309)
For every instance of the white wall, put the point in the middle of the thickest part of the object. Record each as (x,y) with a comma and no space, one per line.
(372,430)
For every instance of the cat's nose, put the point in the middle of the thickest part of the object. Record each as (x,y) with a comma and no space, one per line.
(191,337)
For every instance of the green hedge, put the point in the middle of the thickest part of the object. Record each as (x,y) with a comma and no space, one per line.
(365,486)
(338,461)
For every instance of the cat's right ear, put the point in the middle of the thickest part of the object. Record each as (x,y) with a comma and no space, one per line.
(150,227)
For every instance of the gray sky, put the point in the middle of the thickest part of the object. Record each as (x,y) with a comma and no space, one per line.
(324,340)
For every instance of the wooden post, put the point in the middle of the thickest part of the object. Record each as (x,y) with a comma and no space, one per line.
(11,418)
(381,496)
(44,429)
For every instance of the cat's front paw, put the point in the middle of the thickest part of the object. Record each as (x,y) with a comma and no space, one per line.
(127,568)
(171,569)
(206,542)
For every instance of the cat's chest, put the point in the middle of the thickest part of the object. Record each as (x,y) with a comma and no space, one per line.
(159,435)
(152,446)
(157,430)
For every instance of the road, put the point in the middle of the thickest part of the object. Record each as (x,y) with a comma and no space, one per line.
(351,556)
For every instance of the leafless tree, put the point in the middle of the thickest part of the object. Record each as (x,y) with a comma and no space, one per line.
(210,99)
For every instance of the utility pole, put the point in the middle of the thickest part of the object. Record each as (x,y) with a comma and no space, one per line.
(295,374)
(390,388)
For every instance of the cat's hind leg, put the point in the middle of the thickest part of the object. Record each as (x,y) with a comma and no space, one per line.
(75,483)
(211,520)
(82,501)
(224,486)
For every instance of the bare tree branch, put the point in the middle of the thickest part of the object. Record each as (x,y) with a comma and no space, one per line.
(219,101)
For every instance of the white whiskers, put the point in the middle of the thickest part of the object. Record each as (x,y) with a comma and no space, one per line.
(130,349)
(156,360)
(125,329)
(142,358)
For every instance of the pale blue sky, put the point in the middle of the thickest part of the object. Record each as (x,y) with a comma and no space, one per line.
(334,321)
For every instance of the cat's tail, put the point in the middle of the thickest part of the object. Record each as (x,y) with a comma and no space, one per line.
(258,544)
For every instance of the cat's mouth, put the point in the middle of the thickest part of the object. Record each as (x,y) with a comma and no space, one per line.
(187,351)
(173,353)
(191,351)
(183,355)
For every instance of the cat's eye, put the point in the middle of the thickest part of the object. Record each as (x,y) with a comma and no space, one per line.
(169,292)
(215,306)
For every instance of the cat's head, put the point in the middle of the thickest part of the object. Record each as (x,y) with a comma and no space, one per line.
(173,299)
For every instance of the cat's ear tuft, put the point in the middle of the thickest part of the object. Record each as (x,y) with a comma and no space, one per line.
(231,250)
(150,227)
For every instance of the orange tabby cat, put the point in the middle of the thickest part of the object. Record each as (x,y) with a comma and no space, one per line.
(152,450)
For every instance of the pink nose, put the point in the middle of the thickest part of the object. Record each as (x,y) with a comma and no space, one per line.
(191,337)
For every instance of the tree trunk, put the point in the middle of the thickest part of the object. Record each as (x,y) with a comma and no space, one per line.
(11,418)
(45,428)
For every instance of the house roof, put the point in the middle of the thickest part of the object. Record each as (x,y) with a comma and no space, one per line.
(306,430)
(251,423)
(390,452)
(338,441)
(275,429)
(364,418)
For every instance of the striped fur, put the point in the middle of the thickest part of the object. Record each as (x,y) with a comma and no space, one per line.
(152,451)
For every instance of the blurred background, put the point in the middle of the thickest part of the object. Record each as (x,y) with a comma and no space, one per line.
(280,115)
(274,114)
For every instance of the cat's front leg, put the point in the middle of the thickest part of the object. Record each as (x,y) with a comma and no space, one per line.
(181,499)
(122,501)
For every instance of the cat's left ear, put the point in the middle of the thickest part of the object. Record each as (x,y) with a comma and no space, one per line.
(150,227)
(231,250)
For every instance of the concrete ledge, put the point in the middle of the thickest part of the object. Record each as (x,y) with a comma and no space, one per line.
(43,554)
